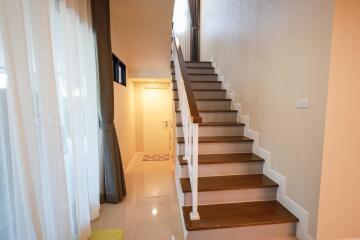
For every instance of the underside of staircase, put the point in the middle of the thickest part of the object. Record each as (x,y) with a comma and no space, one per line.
(236,200)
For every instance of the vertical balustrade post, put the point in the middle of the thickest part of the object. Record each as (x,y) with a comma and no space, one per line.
(194,215)
(189,136)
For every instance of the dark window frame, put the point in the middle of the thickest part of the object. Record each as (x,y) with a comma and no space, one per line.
(118,65)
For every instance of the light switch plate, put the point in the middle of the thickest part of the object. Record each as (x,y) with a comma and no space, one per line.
(302,103)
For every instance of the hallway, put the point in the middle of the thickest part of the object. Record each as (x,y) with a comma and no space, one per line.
(150,209)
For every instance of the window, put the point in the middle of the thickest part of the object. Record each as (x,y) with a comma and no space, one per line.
(119,70)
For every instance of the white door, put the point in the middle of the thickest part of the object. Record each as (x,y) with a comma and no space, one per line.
(156,124)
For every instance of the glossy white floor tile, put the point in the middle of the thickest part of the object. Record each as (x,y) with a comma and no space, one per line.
(150,209)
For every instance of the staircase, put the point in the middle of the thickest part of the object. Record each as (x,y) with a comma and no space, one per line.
(235,199)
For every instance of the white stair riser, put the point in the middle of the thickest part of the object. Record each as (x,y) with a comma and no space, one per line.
(210,105)
(203,77)
(261,232)
(221,148)
(214,116)
(225,169)
(203,85)
(206,94)
(207,131)
(232,196)
(198,64)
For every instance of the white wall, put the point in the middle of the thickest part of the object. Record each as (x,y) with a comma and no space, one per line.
(273,52)
(339,210)
(138,92)
(124,120)
(141,35)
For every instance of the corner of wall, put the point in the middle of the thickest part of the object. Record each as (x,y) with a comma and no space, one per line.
(302,231)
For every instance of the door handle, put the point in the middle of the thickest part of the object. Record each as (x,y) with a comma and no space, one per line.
(165,124)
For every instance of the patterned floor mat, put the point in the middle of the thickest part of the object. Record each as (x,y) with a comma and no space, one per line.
(156,157)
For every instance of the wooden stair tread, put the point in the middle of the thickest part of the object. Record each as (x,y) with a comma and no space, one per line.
(231,182)
(197,67)
(220,139)
(224,158)
(201,67)
(216,124)
(214,111)
(230,215)
(210,74)
(197,61)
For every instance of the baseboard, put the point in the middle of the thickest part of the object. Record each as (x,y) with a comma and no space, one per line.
(292,206)
(133,159)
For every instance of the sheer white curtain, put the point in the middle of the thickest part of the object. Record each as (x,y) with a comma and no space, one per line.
(49,182)
(75,61)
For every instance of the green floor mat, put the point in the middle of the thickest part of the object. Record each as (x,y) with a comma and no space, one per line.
(107,234)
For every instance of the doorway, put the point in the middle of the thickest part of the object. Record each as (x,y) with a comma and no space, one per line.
(156,121)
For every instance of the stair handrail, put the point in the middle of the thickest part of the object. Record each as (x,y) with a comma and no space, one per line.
(195,116)
(190,118)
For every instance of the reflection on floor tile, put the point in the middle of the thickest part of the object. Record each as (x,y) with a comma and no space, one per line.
(150,209)
(156,157)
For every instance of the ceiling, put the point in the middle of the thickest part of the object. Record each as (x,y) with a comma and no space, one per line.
(141,36)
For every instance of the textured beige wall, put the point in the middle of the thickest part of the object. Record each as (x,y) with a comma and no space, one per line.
(124,120)
(141,35)
(339,208)
(138,91)
(273,52)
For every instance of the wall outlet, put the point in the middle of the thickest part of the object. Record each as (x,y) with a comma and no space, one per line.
(302,103)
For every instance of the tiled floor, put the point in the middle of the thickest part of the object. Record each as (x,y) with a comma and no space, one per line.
(150,210)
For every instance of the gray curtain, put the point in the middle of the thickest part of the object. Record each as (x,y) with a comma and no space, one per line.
(194,6)
(114,189)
